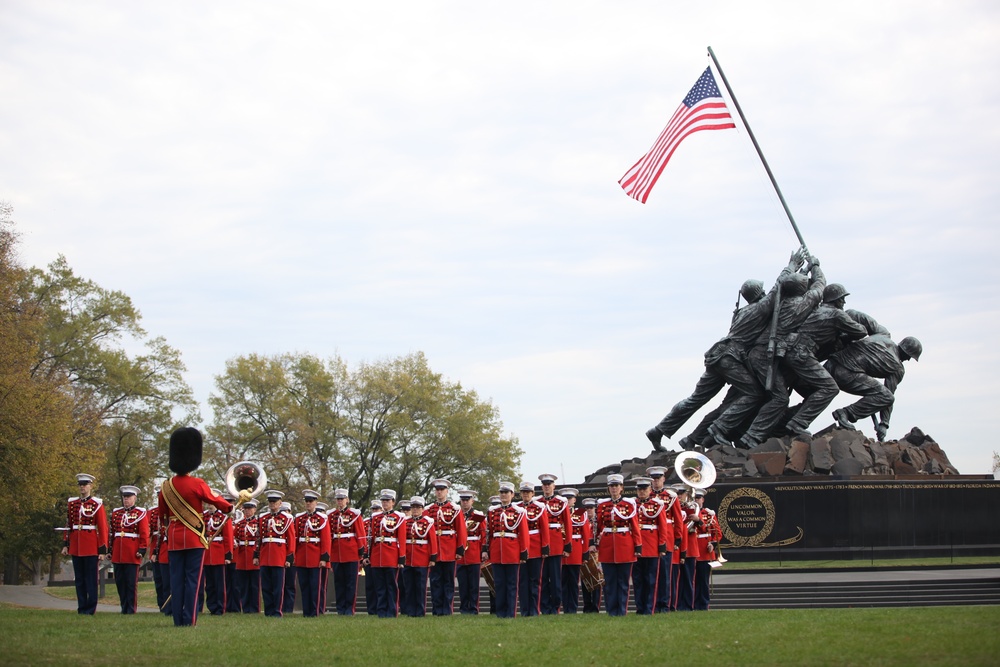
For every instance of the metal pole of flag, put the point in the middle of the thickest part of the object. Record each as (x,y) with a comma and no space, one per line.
(757,146)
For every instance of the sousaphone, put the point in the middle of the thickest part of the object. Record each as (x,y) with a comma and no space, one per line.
(246,475)
(695,470)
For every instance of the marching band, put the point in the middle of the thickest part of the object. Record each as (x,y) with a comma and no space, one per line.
(538,556)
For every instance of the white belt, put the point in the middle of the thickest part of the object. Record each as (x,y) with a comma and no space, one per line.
(644,527)
(84,527)
(617,530)
(418,541)
(246,543)
(276,540)
(474,538)
(217,539)
(127,535)
(533,532)
(556,525)
(309,539)
(578,537)
(704,534)
(505,534)
(447,532)
(670,520)
(385,539)
(343,535)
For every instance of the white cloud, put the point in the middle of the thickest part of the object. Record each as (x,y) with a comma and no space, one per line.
(439,176)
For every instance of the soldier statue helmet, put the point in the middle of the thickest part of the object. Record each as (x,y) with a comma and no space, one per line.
(752,290)
(911,347)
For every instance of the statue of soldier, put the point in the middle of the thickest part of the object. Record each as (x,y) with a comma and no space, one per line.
(799,296)
(826,329)
(856,370)
(725,361)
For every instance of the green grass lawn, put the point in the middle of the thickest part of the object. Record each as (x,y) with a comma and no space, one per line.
(909,636)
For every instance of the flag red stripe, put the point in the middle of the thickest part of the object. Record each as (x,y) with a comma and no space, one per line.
(708,112)
(640,179)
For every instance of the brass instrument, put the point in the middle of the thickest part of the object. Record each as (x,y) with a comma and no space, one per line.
(246,475)
(695,470)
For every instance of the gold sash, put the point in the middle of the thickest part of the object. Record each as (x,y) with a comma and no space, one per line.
(183,511)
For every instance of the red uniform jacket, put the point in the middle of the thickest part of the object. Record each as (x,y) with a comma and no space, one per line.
(691,520)
(475,530)
(348,535)
(560,533)
(508,534)
(618,531)
(538,527)
(449,523)
(129,534)
(196,492)
(276,546)
(245,537)
(220,545)
(312,539)
(421,541)
(583,536)
(710,531)
(653,527)
(388,539)
(157,543)
(86,527)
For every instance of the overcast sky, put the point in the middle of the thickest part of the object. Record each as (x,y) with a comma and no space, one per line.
(375,179)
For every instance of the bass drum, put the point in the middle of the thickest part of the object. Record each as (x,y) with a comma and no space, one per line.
(486,569)
(591,573)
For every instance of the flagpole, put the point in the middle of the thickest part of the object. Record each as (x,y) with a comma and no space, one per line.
(757,146)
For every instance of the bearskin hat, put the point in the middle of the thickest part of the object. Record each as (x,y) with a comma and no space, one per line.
(185,450)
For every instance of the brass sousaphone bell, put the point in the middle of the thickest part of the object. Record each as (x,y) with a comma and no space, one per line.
(246,475)
(695,470)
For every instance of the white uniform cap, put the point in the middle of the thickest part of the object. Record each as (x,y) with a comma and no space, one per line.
(128,490)
(387,494)
(84,478)
(547,477)
(616,479)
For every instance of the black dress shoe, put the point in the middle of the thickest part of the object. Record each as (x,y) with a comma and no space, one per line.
(655,437)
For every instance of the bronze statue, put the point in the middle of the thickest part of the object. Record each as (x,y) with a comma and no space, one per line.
(725,360)
(856,370)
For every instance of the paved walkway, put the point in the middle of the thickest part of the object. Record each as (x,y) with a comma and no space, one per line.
(36,597)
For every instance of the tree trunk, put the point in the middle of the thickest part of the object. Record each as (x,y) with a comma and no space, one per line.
(54,566)
(10,570)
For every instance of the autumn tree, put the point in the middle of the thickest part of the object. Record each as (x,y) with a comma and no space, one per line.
(73,399)
(314,424)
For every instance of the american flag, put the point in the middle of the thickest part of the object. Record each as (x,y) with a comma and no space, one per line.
(702,109)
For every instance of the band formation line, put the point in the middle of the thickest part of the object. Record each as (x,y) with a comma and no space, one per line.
(214,550)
